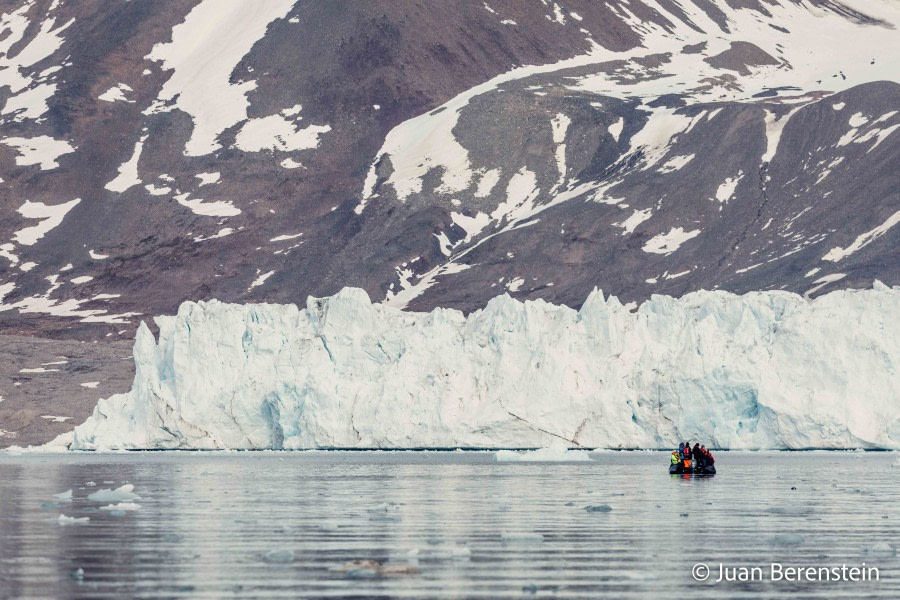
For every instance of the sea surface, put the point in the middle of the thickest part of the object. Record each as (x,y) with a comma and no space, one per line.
(444,525)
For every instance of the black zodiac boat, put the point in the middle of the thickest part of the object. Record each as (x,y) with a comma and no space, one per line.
(680,470)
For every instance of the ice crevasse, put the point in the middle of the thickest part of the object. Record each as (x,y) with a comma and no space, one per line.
(760,370)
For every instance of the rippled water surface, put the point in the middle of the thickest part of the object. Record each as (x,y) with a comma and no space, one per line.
(442,525)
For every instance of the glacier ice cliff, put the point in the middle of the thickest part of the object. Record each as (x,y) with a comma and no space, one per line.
(763,370)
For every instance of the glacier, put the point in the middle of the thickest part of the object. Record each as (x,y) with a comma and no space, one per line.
(768,369)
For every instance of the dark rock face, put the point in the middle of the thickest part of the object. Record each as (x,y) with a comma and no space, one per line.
(285,149)
(49,386)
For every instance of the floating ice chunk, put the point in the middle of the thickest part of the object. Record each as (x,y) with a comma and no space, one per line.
(787,539)
(791,510)
(121,506)
(879,550)
(279,556)
(90,484)
(124,493)
(64,520)
(410,556)
(385,507)
(436,551)
(542,455)
(364,569)
(598,508)
(64,496)
(521,537)
(449,552)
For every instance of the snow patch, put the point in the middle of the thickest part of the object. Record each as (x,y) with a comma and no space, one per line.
(675,163)
(128,171)
(41,150)
(50,215)
(203,53)
(487,183)
(281,238)
(837,253)
(667,243)
(218,208)
(637,217)
(116,93)
(277,133)
(208,178)
(260,280)
(725,192)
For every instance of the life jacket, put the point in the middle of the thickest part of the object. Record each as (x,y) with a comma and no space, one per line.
(686,453)
(675,459)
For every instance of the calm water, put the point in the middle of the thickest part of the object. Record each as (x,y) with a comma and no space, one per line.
(225,525)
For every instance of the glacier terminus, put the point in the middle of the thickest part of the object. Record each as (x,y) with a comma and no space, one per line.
(765,369)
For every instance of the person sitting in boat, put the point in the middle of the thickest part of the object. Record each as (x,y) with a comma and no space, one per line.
(697,456)
(708,457)
(676,457)
(686,455)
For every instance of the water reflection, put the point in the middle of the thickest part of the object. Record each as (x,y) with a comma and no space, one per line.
(440,525)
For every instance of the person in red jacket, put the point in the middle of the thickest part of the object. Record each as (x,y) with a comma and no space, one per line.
(708,456)
(686,456)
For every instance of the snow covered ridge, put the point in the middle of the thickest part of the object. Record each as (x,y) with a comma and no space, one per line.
(763,370)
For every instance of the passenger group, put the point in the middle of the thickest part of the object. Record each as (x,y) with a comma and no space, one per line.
(698,457)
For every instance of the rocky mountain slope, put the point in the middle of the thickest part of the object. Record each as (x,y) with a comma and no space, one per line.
(432,154)
(153,152)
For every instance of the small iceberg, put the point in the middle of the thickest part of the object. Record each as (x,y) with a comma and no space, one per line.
(787,539)
(64,496)
(279,556)
(553,454)
(121,506)
(365,569)
(124,493)
(880,550)
(64,520)
(521,537)
(791,511)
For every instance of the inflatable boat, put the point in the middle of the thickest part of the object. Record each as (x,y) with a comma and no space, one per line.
(680,470)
